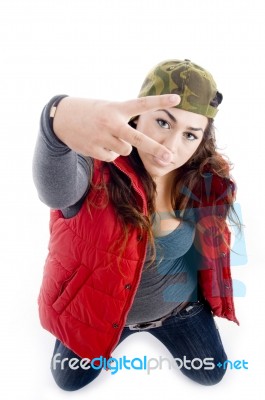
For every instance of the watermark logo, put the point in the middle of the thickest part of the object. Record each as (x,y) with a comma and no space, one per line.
(237,364)
(144,364)
(206,246)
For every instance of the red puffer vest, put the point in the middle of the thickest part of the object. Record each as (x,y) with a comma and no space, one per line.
(88,289)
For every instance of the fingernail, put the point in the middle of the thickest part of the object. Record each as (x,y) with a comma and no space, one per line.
(166,157)
(174,98)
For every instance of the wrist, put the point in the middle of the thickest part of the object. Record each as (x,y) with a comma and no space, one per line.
(52,108)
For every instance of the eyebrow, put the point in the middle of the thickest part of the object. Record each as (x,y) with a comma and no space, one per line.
(175,121)
(170,115)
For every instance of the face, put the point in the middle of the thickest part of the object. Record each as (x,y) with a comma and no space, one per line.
(178,130)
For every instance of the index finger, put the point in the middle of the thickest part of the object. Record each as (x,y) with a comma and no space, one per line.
(149,103)
(146,144)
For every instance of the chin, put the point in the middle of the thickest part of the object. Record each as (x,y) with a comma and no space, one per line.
(157,168)
(157,172)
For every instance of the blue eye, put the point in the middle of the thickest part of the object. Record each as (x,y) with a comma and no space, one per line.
(163,124)
(190,136)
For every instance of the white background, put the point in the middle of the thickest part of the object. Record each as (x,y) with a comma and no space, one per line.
(104,49)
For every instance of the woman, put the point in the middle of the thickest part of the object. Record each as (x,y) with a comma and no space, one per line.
(139,239)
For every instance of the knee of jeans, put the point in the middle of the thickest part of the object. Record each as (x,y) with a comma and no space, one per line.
(215,377)
(66,385)
(72,379)
(64,380)
(205,377)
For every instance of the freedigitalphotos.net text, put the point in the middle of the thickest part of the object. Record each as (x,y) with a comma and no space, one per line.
(144,363)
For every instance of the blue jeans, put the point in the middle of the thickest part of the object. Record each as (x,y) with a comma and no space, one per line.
(190,334)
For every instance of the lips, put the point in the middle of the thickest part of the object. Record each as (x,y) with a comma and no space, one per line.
(160,162)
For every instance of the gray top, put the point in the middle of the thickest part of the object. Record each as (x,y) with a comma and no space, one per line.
(169,281)
(61,177)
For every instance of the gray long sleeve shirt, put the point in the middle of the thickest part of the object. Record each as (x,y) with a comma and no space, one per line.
(61,177)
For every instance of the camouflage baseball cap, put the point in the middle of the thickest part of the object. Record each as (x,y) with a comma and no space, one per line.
(193,83)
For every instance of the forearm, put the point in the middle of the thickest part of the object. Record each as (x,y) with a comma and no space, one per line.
(61,176)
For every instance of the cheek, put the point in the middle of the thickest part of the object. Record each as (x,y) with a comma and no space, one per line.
(194,148)
(189,151)
(196,145)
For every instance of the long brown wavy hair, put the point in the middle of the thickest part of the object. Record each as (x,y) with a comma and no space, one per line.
(124,199)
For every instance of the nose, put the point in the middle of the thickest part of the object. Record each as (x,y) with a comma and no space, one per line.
(172,142)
